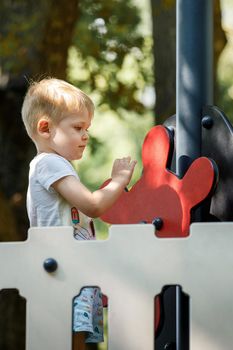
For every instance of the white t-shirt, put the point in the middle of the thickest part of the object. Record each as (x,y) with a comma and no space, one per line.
(45,206)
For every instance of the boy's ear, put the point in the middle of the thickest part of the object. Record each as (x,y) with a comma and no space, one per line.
(43,127)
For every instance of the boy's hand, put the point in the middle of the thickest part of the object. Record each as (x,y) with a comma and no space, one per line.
(122,170)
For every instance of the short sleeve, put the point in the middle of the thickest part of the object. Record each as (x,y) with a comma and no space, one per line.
(52,167)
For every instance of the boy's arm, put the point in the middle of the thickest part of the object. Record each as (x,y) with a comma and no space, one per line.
(95,203)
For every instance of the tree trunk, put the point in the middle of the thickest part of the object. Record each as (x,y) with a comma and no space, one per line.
(57,38)
(164,49)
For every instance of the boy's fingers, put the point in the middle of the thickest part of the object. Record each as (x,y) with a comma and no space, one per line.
(134,161)
(132,164)
(126,159)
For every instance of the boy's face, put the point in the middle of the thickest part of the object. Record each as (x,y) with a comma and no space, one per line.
(69,137)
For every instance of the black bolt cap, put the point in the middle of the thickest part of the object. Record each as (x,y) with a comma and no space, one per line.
(50,265)
(207,122)
(158,223)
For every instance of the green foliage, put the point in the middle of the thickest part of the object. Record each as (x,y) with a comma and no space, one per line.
(225,83)
(109,57)
(109,53)
(225,64)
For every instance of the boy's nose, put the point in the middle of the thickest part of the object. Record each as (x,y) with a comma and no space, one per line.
(85,135)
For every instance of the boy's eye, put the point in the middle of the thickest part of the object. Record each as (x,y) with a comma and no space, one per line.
(79,128)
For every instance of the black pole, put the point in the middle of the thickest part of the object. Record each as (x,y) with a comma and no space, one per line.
(194,78)
(194,90)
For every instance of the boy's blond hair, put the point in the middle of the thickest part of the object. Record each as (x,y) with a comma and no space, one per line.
(52,98)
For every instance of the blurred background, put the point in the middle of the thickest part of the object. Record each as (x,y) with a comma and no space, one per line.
(121,53)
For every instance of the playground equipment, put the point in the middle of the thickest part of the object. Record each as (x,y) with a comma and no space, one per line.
(199,263)
(190,268)
(160,196)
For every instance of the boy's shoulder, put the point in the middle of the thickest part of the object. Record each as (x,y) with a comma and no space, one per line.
(50,161)
(49,167)
(48,155)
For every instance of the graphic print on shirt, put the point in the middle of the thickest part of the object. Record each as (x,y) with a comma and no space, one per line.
(75,216)
(81,229)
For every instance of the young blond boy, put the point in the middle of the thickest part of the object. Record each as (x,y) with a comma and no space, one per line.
(57,117)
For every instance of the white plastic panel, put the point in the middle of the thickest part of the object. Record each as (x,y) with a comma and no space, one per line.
(131,267)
